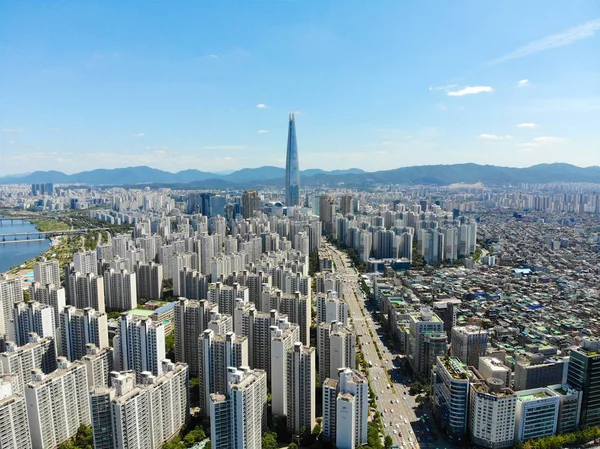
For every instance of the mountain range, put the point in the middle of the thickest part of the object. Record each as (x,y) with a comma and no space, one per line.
(437,175)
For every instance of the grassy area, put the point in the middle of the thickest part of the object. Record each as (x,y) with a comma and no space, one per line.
(49,224)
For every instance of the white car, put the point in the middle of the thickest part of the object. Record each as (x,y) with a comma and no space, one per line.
(405,421)
(397,401)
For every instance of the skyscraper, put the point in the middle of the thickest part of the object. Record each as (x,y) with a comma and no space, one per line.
(292,170)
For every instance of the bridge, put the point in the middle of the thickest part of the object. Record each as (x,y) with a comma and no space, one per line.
(20,237)
(13,219)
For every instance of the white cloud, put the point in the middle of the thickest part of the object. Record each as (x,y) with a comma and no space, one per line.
(214,56)
(441,107)
(494,137)
(528,125)
(547,139)
(261,105)
(12,130)
(262,131)
(541,141)
(523,83)
(567,37)
(139,135)
(55,130)
(470,90)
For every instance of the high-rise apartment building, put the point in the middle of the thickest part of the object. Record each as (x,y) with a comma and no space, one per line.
(450,396)
(120,290)
(57,403)
(33,317)
(51,294)
(80,327)
(86,290)
(301,405)
(11,293)
(217,352)
(14,425)
(139,345)
(250,203)
(191,319)
(46,272)
(239,417)
(327,212)
(283,337)
(347,205)
(226,296)
(99,364)
(330,307)
(143,415)
(468,344)
(150,280)
(21,360)
(297,307)
(584,375)
(292,167)
(336,346)
(346,409)
(85,262)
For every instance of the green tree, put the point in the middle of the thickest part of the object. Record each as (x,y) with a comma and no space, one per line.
(194,390)
(292,446)
(194,436)
(170,345)
(269,441)
(175,443)
(388,442)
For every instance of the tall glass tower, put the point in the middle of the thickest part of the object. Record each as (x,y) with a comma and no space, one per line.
(292,170)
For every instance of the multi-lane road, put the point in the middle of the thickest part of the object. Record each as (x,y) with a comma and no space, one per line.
(393,401)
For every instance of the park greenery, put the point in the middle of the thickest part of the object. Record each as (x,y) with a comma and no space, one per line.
(575,439)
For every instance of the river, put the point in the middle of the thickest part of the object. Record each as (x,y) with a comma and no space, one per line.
(12,254)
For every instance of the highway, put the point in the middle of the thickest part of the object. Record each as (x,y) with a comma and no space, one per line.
(393,401)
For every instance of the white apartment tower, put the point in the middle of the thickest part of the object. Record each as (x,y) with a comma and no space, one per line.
(20,361)
(86,262)
(331,308)
(57,404)
(217,353)
(346,409)
(78,328)
(139,345)
(283,337)
(336,346)
(14,425)
(298,309)
(99,364)
(33,317)
(46,272)
(239,417)
(11,293)
(86,290)
(301,380)
(120,290)
(52,294)
(145,415)
(225,296)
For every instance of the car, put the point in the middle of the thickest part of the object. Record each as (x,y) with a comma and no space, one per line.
(397,426)
(385,410)
(400,435)
(397,401)
(405,421)
(410,431)
(403,397)
(392,401)
(391,410)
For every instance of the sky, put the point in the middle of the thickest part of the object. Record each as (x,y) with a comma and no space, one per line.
(376,84)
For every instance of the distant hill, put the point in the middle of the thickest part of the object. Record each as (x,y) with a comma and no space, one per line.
(438,175)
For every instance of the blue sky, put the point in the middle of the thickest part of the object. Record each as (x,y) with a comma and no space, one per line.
(375,84)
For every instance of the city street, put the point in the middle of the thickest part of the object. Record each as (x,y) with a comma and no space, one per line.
(393,401)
